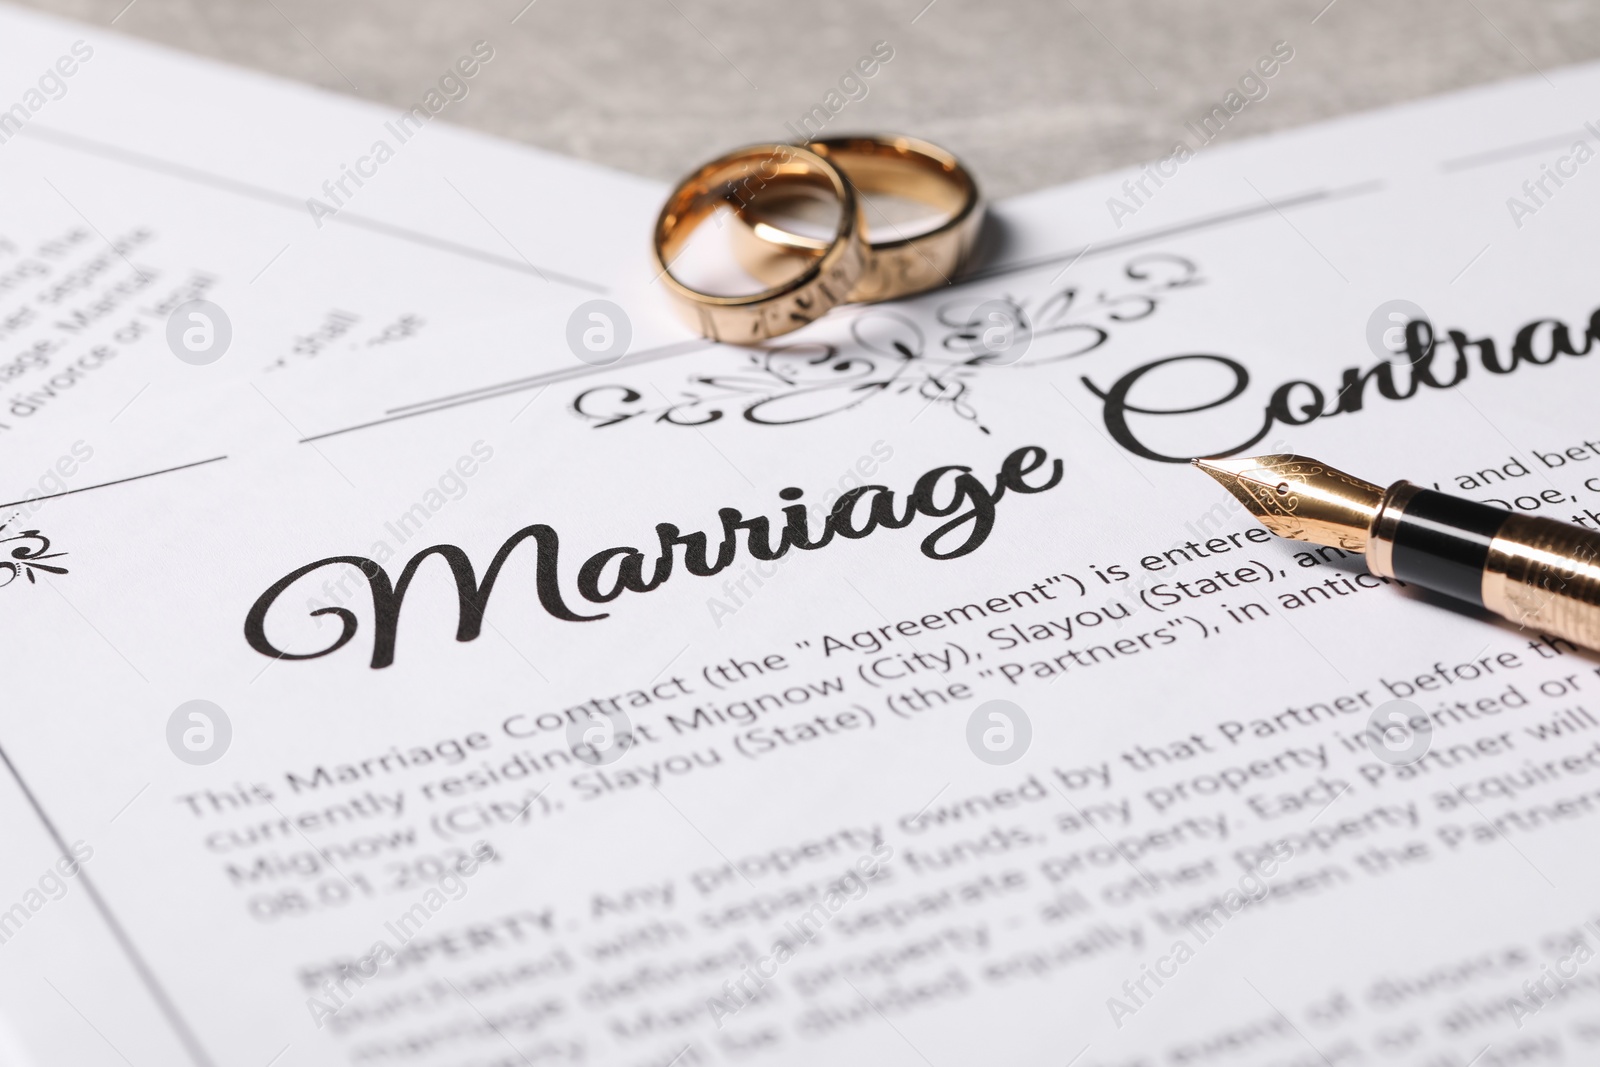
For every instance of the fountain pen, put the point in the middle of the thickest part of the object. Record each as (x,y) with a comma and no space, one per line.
(1540,573)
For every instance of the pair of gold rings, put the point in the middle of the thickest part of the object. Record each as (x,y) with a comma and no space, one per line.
(807,276)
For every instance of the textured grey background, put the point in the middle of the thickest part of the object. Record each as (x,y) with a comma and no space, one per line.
(1029,92)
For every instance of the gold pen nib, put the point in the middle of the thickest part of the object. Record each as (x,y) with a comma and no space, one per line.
(1299,498)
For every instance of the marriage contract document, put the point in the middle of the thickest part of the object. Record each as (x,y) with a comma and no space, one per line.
(419,650)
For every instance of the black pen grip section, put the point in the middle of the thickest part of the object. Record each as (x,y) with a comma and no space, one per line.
(1442,543)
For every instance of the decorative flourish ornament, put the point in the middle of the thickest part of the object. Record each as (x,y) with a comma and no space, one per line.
(887,354)
(23,552)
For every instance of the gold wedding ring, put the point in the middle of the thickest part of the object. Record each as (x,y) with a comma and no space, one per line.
(896,266)
(835,264)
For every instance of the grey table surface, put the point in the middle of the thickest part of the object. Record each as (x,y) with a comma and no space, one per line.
(1029,92)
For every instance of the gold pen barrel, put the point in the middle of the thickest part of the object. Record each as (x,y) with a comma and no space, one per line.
(1541,574)
(1545,575)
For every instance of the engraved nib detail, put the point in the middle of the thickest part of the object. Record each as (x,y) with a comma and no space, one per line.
(1300,498)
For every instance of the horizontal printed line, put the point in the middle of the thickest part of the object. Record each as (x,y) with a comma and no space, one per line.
(1205,222)
(272,196)
(490,392)
(649,355)
(1496,155)
(118,481)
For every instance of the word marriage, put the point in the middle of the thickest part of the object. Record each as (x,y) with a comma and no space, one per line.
(952,493)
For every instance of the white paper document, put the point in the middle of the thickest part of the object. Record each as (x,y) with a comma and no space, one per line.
(411,661)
